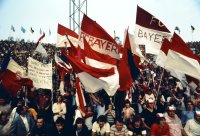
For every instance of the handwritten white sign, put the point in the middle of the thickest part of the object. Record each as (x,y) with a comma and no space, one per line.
(40,73)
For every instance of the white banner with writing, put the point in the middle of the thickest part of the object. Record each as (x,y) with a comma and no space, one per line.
(40,73)
(152,39)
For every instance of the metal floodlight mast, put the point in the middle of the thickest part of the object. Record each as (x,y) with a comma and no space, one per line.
(76,10)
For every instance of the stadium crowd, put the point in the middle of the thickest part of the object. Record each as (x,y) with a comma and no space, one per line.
(156,105)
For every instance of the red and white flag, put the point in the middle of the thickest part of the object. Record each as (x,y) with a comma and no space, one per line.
(100,41)
(149,31)
(62,40)
(162,56)
(80,99)
(181,58)
(135,47)
(98,38)
(90,77)
(161,61)
(62,69)
(13,79)
(39,48)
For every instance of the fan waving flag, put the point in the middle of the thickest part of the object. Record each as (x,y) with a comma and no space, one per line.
(149,31)
(62,39)
(181,58)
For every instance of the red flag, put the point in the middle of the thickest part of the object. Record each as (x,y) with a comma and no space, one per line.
(62,39)
(25,82)
(98,38)
(182,59)
(12,80)
(41,37)
(125,79)
(80,99)
(162,56)
(180,46)
(81,67)
(100,41)
(62,67)
(90,53)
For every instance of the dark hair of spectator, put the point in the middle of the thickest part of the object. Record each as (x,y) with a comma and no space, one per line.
(79,121)
(60,120)
(102,118)
(136,118)
(40,117)
(19,110)
(127,102)
(120,120)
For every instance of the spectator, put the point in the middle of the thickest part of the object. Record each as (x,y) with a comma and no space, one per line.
(137,128)
(160,128)
(101,127)
(192,127)
(59,127)
(188,113)
(149,115)
(197,107)
(13,115)
(40,129)
(127,112)
(4,106)
(89,117)
(119,128)
(59,109)
(80,129)
(149,95)
(22,125)
(174,122)
(110,114)
(3,122)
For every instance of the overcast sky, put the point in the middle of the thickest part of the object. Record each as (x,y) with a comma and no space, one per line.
(110,14)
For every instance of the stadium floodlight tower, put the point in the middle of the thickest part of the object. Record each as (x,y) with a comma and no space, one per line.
(77,8)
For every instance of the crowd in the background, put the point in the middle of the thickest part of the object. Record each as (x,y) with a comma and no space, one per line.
(195,46)
(156,105)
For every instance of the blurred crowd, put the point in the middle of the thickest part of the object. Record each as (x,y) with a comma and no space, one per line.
(156,105)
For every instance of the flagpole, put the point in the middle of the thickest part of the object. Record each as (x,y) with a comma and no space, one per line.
(159,84)
(192,36)
(25,91)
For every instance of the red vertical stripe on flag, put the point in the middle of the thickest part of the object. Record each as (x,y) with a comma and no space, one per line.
(81,98)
